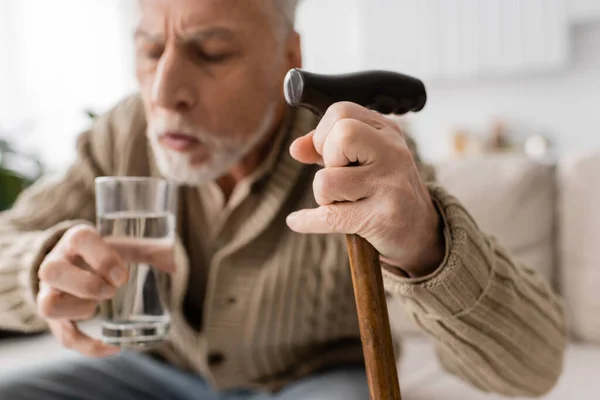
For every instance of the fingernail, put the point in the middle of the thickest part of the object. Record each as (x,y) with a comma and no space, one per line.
(294,221)
(117,276)
(107,291)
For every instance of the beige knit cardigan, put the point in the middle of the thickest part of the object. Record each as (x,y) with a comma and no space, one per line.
(272,305)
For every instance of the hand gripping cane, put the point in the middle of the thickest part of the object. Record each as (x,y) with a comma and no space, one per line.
(387,93)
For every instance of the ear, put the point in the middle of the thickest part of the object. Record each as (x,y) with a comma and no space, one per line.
(294,51)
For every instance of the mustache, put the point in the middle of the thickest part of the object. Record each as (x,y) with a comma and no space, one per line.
(160,126)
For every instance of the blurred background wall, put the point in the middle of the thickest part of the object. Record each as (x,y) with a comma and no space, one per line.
(526,67)
(531,65)
(58,59)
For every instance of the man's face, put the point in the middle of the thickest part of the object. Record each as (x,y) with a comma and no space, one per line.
(211,75)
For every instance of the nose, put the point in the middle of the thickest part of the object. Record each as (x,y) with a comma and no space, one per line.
(172,88)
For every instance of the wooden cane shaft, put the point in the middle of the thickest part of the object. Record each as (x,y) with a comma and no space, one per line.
(373,320)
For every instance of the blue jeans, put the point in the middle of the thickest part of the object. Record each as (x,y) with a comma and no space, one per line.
(131,376)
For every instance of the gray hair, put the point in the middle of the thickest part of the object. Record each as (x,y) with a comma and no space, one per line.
(286,10)
(285,14)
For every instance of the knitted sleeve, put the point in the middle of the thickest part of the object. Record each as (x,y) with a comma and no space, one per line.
(496,324)
(42,214)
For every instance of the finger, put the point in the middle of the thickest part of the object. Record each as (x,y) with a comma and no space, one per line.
(157,252)
(351,141)
(54,304)
(86,243)
(69,335)
(66,277)
(340,184)
(345,218)
(303,150)
(346,110)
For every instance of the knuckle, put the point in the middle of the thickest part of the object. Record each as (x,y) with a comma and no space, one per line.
(404,153)
(92,286)
(398,130)
(347,132)
(394,123)
(90,312)
(50,270)
(45,306)
(48,303)
(81,231)
(322,183)
(79,234)
(107,261)
(341,110)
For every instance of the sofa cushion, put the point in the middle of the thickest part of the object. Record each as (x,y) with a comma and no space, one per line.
(422,377)
(512,198)
(579,242)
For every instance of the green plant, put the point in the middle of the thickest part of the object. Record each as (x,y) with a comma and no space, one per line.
(14,180)
(10,187)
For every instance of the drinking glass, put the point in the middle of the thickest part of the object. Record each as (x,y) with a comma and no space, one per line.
(136,217)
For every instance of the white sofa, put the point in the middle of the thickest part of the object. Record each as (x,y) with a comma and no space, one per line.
(545,214)
(548,216)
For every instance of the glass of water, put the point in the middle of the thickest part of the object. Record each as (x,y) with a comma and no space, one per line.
(136,217)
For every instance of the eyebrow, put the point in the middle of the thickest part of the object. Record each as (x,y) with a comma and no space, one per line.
(201,35)
(142,34)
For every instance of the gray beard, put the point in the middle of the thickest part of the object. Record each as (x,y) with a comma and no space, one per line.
(176,167)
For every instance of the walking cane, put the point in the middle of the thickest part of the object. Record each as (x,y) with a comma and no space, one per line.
(388,93)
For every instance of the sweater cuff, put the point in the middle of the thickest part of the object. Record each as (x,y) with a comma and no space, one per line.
(465,274)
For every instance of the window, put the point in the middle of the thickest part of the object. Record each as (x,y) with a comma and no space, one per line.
(57,59)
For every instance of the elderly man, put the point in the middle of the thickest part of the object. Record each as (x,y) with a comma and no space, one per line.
(261,297)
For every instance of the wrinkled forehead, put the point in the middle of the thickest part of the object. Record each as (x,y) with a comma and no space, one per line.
(187,15)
